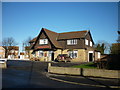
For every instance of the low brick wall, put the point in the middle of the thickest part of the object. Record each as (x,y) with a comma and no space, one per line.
(85,72)
(64,70)
(101,73)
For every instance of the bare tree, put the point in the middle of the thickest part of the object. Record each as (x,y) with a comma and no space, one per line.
(10,41)
(26,43)
(103,46)
(6,42)
(26,46)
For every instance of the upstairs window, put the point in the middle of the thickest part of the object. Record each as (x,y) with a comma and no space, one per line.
(86,42)
(90,43)
(72,42)
(43,41)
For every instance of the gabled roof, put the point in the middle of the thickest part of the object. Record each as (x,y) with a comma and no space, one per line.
(71,35)
(54,37)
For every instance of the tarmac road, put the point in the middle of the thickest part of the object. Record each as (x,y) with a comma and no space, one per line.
(31,74)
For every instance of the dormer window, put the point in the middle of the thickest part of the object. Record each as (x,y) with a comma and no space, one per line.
(72,42)
(43,41)
(86,42)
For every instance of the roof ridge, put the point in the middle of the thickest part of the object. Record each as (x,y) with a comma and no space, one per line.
(74,31)
(48,30)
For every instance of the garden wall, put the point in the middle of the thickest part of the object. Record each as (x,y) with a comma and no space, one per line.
(85,72)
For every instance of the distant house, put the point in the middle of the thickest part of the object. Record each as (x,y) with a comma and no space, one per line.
(12,52)
(78,45)
(22,55)
(2,52)
(27,52)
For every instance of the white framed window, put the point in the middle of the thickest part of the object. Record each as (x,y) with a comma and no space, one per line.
(43,41)
(73,54)
(91,43)
(72,42)
(86,42)
(68,42)
(40,53)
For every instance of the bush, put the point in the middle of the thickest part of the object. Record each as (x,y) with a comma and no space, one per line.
(114,62)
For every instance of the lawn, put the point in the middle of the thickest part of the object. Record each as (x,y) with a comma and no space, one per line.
(88,65)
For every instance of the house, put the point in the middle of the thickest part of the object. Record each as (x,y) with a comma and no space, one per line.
(12,52)
(2,52)
(22,56)
(78,45)
(27,52)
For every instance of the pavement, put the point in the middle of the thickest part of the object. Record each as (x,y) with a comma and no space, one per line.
(32,74)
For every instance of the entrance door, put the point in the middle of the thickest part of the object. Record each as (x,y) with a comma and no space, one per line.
(90,57)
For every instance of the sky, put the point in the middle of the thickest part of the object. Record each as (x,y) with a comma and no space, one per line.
(21,20)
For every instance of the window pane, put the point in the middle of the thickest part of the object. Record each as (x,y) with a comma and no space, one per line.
(86,41)
(72,42)
(90,43)
(75,41)
(43,41)
(40,53)
(68,42)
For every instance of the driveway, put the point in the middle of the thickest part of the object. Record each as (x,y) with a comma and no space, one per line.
(30,74)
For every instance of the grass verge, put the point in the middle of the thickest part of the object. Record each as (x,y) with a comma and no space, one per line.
(88,65)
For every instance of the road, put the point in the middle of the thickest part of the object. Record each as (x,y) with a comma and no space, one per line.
(30,74)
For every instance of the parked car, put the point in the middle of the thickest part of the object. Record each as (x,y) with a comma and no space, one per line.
(35,59)
(3,63)
(63,58)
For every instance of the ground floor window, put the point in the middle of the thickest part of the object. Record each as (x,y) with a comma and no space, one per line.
(40,53)
(73,54)
(50,53)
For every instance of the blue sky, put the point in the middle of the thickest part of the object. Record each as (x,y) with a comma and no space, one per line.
(21,20)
